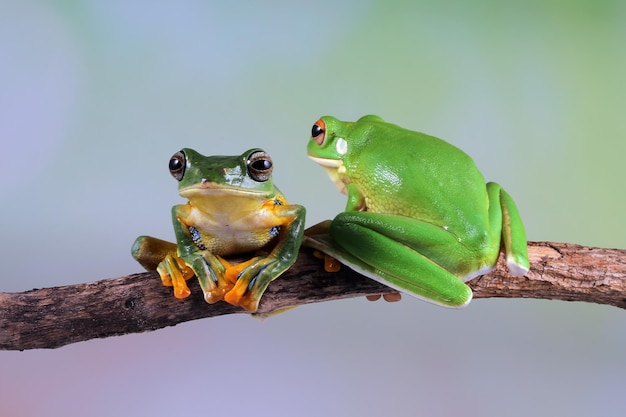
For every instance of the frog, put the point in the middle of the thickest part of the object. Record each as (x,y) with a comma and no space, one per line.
(236,233)
(419,216)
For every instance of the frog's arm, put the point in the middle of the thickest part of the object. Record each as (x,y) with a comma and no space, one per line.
(356,201)
(208,268)
(254,276)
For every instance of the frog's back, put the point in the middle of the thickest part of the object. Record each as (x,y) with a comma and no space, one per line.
(413,174)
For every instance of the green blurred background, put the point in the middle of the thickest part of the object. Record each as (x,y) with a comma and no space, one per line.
(96,96)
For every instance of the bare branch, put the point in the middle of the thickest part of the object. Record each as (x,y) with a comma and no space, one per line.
(54,317)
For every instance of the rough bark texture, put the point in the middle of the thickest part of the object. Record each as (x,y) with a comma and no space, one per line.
(54,317)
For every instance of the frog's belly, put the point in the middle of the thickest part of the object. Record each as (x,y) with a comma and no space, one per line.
(230,232)
(227,241)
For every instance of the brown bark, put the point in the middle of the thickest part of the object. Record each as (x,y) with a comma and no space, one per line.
(54,317)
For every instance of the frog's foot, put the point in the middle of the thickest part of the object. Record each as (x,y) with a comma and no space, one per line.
(252,278)
(233,271)
(237,297)
(214,295)
(217,286)
(330,264)
(390,298)
(210,273)
(174,272)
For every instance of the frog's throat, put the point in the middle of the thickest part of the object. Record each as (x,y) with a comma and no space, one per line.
(336,170)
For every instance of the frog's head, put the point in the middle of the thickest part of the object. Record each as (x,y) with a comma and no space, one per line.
(328,146)
(199,176)
(334,142)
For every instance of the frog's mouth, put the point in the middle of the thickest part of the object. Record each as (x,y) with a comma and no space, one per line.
(207,188)
(223,201)
(336,170)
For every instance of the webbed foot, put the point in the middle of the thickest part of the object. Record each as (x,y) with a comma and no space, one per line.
(174,272)
(252,279)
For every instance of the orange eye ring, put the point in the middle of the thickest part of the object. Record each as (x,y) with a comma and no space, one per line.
(318,132)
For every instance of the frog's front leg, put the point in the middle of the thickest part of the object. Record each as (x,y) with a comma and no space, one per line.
(208,267)
(406,254)
(254,276)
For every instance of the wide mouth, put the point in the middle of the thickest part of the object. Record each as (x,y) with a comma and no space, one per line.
(209,188)
(326,162)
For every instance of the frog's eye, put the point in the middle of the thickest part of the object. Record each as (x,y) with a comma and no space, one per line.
(260,166)
(177,165)
(318,132)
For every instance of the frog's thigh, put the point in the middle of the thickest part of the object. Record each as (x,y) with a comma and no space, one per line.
(432,242)
(400,251)
(150,251)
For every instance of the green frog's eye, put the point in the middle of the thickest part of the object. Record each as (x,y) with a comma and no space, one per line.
(318,132)
(177,165)
(260,166)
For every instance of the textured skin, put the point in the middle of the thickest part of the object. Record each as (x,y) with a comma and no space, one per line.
(419,216)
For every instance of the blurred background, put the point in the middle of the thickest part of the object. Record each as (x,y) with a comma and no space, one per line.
(96,96)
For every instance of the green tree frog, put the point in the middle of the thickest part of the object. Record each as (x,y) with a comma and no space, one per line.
(419,216)
(233,209)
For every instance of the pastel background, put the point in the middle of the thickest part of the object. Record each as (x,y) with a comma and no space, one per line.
(96,96)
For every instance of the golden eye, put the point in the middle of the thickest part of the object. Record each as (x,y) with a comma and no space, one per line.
(260,166)
(177,165)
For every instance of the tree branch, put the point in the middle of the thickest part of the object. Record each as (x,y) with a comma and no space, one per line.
(54,317)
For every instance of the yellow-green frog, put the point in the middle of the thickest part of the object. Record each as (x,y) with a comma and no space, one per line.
(233,209)
(419,216)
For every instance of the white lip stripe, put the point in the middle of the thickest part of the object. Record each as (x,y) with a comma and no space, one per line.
(325,162)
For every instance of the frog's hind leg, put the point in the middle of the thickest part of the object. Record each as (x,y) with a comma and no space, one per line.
(160,255)
(400,253)
(150,251)
(504,213)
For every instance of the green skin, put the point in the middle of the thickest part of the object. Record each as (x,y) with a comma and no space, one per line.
(419,216)
(233,210)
